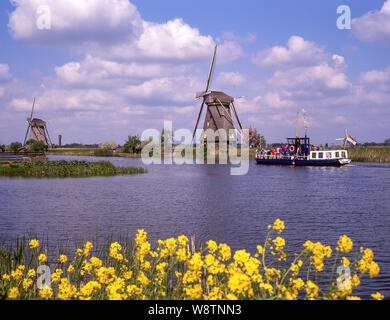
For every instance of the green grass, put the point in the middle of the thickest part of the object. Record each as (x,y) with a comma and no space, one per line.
(369,154)
(64,168)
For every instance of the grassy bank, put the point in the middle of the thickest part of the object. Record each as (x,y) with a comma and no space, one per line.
(370,154)
(65,169)
(176,269)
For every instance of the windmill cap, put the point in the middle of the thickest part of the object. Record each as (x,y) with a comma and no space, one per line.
(38,122)
(214,96)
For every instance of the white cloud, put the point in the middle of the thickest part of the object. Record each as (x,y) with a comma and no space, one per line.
(4,73)
(298,52)
(373,26)
(376,76)
(302,65)
(75,21)
(230,79)
(174,40)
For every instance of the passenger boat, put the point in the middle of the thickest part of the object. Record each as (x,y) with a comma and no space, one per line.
(300,153)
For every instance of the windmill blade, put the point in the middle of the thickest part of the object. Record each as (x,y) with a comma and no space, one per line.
(203,94)
(236,114)
(211,69)
(25,137)
(32,109)
(197,121)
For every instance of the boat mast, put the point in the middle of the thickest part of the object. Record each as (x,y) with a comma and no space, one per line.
(296,136)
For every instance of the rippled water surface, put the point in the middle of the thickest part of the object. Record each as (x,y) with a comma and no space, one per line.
(319,204)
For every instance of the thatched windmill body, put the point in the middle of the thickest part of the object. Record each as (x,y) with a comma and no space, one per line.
(220,110)
(37,130)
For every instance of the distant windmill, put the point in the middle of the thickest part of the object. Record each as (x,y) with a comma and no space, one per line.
(38,130)
(347,139)
(219,106)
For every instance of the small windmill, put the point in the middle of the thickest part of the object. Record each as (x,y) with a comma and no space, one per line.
(219,109)
(38,130)
(347,139)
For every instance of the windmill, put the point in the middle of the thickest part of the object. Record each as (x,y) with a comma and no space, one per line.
(347,139)
(38,130)
(219,109)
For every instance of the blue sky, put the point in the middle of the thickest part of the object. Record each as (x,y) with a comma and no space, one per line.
(102,72)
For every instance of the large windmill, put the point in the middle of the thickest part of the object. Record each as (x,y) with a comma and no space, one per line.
(219,110)
(38,130)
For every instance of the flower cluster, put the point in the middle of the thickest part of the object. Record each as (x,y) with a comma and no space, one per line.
(175,269)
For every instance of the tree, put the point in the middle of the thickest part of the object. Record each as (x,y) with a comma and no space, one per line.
(36,146)
(15,146)
(166,136)
(131,144)
(387,142)
(261,142)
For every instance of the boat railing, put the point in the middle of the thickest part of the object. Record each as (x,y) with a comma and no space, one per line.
(281,157)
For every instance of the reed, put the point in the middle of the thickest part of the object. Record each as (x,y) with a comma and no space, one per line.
(64,168)
(370,154)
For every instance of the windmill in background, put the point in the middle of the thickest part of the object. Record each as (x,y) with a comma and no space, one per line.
(219,107)
(37,129)
(347,139)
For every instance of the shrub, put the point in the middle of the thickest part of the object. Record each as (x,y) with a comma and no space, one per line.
(36,146)
(131,145)
(108,145)
(15,146)
(103,153)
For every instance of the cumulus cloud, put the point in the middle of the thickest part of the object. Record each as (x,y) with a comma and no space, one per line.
(298,52)
(373,26)
(4,73)
(375,76)
(75,21)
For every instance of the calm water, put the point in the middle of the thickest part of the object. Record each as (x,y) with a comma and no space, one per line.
(319,204)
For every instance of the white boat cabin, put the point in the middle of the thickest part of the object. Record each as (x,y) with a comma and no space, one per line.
(329,154)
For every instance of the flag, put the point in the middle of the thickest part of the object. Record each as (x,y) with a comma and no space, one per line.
(305,123)
(351,141)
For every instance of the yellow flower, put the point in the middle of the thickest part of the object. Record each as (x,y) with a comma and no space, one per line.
(42,258)
(34,243)
(345,262)
(143,279)
(31,273)
(183,241)
(225,251)
(66,290)
(46,293)
(63,258)
(311,290)
(6,277)
(353,298)
(13,293)
(27,283)
(194,292)
(278,226)
(96,262)
(345,244)
(56,276)
(373,269)
(87,290)
(212,246)
(377,296)
(17,274)
(70,269)
(87,248)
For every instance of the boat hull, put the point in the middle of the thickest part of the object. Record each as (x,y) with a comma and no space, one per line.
(303,162)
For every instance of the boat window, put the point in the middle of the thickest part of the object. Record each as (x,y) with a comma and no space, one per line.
(329,155)
(343,154)
(320,155)
(314,155)
(337,154)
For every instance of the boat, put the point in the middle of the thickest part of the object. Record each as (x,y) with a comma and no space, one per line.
(299,152)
